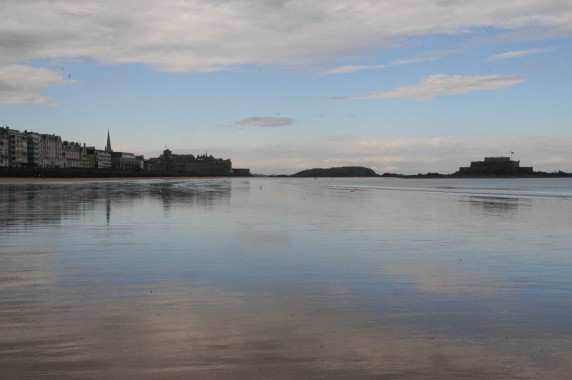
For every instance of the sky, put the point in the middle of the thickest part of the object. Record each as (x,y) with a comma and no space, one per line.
(400,86)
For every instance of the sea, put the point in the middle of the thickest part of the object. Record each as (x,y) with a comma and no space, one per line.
(284,278)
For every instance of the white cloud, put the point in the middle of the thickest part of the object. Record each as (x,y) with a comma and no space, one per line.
(426,57)
(206,35)
(447,153)
(24,85)
(444,154)
(350,69)
(440,84)
(266,121)
(409,61)
(517,54)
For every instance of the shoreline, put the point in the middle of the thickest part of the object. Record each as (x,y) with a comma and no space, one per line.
(68,180)
(71,180)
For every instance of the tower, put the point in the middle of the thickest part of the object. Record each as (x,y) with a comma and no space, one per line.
(108,146)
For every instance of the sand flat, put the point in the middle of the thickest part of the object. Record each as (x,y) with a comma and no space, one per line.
(263,278)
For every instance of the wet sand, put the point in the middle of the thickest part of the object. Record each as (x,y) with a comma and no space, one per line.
(39,181)
(258,279)
(185,330)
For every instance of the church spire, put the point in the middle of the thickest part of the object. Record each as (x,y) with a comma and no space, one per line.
(108,146)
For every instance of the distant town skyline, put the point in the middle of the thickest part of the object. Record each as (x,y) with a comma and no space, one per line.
(282,86)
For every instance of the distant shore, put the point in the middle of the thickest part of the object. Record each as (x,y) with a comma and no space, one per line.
(109,174)
(10,176)
(461,175)
(360,171)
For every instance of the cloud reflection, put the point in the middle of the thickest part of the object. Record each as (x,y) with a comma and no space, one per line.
(165,330)
(360,283)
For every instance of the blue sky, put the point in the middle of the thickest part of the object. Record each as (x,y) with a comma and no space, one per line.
(280,86)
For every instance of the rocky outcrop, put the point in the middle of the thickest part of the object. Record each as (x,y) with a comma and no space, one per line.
(344,171)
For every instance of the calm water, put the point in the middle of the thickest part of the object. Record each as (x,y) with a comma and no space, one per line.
(286,278)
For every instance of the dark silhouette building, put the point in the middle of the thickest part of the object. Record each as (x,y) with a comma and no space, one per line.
(502,166)
(189,164)
(108,146)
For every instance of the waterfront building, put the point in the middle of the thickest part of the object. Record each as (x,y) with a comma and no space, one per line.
(17,148)
(242,172)
(84,161)
(75,155)
(4,151)
(99,159)
(189,164)
(35,149)
(123,160)
(496,166)
(52,151)
(126,161)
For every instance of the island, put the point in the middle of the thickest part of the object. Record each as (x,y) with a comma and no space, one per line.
(490,167)
(343,171)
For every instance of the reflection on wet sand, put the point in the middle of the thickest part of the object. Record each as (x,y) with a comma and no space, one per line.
(290,279)
(31,204)
(496,205)
(185,330)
